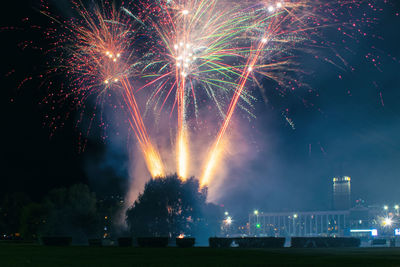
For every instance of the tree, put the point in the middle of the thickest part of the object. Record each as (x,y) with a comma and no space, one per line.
(169,207)
(32,220)
(11,207)
(72,212)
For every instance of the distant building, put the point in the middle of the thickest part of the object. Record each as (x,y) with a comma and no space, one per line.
(311,223)
(344,220)
(341,193)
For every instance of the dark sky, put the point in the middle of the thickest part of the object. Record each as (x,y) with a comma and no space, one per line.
(351,130)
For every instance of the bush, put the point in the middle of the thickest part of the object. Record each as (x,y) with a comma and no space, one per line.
(379,242)
(95,242)
(153,242)
(56,240)
(186,242)
(324,242)
(125,242)
(260,242)
(220,242)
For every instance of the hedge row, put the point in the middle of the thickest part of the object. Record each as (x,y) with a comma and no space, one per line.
(122,241)
(260,242)
(221,242)
(247,242)
(324,242)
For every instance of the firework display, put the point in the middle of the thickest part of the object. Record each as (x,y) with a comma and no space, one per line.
(184,53)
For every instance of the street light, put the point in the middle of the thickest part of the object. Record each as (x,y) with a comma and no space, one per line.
(387,222)
(257,223)
(396,207)
(294,224)
(385,207)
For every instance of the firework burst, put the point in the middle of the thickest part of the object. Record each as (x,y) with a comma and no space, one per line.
(97,57)
(197,55)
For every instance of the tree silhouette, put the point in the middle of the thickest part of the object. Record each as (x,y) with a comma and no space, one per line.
(11,206)
(33,218)
(72,212)
(169,207)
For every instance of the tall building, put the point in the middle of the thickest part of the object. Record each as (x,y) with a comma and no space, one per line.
(341,193)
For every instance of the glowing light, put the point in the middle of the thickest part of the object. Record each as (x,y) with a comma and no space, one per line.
(295,216)
(256,212)
(212,161)
(185,12)
(271,8)
(374,232)
(181,236)
(385,207)
(387,222)
(153,161)
(396,207)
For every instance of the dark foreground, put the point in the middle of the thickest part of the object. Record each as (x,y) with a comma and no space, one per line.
(35,255)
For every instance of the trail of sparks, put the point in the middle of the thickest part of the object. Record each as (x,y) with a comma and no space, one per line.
(252,60)
(151,155)
(97,49)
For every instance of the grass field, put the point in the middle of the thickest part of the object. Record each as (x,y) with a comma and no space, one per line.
(35,255)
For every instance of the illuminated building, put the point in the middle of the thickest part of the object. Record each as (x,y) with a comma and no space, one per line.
(311,223)
(341,193)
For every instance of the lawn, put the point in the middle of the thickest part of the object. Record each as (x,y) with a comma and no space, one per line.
(35,255)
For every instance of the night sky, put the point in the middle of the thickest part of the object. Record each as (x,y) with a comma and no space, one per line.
(352,128)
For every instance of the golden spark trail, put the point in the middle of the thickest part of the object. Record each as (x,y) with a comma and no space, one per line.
(182,149)
(151,155)
(216,148)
